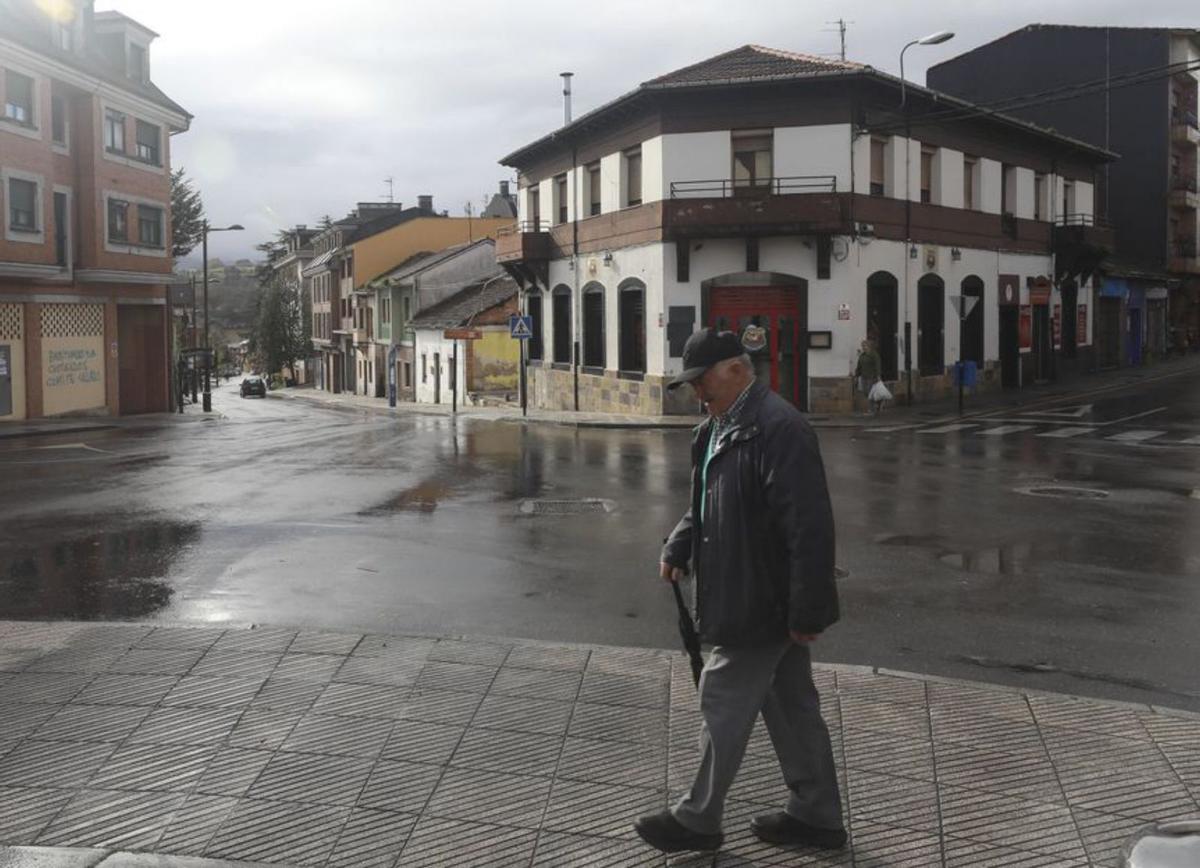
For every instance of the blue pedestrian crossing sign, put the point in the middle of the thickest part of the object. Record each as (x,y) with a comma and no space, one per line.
(520,327)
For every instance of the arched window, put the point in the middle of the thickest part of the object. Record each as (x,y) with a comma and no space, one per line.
(533,308)
(931,325)
(632,330)
(561,300)
(883,320)
(972,327)
(593,325)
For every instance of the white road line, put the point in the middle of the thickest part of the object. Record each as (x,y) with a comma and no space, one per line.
(1192,441)
(890,428)
(1068,431)
(1135,436)
(1004,429)
(948,429)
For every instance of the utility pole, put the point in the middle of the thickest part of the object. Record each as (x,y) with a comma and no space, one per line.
(391,193)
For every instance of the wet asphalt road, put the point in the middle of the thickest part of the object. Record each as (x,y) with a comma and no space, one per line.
(281,512)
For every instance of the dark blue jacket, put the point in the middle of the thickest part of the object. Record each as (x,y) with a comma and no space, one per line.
(764,558)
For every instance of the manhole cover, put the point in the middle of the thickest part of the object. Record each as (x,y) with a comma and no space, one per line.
(581,506)
(1072,491)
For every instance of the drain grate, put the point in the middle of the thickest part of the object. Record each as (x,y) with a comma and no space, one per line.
(1069,491)
(581,506)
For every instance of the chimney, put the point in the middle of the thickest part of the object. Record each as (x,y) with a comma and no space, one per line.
(425,203)
(504,189)
(566,77)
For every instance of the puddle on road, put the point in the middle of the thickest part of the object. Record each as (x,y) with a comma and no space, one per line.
(116,574)
(1009,559)
(422,497)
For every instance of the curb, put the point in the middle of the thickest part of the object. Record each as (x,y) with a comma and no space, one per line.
(85,857)
(46,432)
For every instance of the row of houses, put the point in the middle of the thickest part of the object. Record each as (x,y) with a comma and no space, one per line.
(809,204)
(825,202)
(386,282)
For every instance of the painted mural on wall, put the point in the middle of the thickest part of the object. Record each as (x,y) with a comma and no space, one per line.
(72,358)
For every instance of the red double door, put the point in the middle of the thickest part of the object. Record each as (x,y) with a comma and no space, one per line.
(772,322)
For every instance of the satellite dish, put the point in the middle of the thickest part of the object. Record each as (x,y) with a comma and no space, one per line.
(839,249)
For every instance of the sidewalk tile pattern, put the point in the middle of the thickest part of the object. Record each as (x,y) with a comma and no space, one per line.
(313,748)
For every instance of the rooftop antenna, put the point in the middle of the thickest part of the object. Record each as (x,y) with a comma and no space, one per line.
(841,28)
(566,77)
(391,190)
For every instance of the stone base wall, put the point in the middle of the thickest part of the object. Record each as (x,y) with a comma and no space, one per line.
(836,395)
(552,389)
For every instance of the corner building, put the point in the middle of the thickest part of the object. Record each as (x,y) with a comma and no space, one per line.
(791,193)
(85,235)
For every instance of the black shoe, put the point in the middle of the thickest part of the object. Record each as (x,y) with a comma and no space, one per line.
(663,831)
(785,830)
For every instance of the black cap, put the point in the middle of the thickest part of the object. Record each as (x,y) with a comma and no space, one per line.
(703,350)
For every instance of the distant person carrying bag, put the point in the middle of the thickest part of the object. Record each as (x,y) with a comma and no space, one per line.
(759,538)
(867,375)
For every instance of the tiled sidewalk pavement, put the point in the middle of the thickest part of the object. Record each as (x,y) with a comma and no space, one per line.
(310,748)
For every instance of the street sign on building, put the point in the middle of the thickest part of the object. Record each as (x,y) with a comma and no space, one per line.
(520,328)
(462,334)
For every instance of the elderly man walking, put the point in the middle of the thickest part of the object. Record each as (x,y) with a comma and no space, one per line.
(759,539)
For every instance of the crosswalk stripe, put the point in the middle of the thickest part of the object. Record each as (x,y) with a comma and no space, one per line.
(1136,436)
(1005,429)
(947,429)
(1068,431)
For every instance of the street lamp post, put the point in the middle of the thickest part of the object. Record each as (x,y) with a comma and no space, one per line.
(932,39)
(236,227)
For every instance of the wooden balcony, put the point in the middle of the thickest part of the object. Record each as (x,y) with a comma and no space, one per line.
(1184,256)
(1185,128)
(524,241)
(1183,194)
(1081,243)
(798,205)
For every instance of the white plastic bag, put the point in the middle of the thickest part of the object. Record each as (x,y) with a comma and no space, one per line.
(879,393)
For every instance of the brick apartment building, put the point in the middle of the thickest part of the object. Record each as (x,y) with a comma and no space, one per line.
(84,213)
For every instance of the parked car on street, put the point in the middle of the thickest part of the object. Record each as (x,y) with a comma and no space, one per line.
(254,386)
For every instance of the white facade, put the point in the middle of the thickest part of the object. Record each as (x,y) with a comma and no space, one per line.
(432,374)
(836,304)
(654,266)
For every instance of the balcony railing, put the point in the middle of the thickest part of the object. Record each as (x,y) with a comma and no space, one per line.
(523,226)
(724,188)
(1185,117)
(523,240)
(1081,220)
(1182,182)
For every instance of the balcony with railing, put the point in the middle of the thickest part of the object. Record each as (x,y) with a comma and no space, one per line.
(1184,255)
(1185,126)
(796,204)
(1183,189)
(1081,242)
(525,240)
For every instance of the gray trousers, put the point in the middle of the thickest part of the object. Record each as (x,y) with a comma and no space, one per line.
(738,683)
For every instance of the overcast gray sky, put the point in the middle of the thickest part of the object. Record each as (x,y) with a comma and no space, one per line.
(302,108)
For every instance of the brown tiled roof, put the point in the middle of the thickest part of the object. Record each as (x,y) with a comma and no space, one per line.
(754,63)
(470,301)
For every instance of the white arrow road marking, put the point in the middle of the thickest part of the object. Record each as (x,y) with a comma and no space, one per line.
(1135,436)
(1074,412)
(947,429)
(76,446)
(1067,431)
(1004,429)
